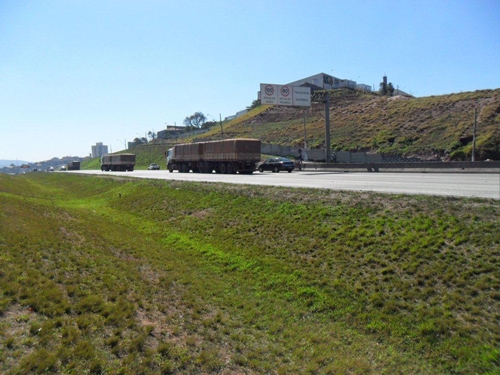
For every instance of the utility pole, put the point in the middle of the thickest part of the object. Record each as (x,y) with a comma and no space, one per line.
(221,133)
(328,154)
(474,136)
(305,142)
(324,96)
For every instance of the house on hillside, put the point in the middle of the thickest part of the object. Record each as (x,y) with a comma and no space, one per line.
(322,81)
(397,91)
(171,131)
(363,87)
(238,114)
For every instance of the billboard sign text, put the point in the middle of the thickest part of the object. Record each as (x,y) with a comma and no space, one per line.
(285,95)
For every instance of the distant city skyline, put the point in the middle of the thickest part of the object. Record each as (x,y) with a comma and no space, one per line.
(76,73)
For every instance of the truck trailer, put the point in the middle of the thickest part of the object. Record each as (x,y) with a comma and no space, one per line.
(73,166)
(120,162)
(227,156)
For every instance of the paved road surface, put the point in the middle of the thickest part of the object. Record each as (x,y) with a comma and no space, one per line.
(447,184)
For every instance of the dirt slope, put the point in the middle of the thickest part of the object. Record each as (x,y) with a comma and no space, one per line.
(435,127)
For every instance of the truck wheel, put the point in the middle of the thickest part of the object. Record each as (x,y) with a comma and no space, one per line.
(170,169)
(261,170)
(229,168)
(223,168)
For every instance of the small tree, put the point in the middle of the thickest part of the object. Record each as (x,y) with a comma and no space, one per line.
(382,88)
(196,120)
(254,104)
(386,89)
(139,141)
(390,89)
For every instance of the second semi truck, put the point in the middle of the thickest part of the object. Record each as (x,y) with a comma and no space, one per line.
(119,162)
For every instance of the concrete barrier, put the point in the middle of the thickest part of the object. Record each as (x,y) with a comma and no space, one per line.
(420,167)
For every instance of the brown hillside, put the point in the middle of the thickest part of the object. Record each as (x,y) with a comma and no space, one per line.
(428,127)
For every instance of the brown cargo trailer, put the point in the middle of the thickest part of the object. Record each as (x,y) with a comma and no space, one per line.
(73,166)
(227,156)
(119,162)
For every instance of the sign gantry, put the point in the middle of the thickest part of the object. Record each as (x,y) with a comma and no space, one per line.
(298,96)
(285,95)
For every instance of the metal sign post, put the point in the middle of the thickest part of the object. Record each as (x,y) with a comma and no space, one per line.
(328,153)
(474,136)
(324,96)
(298,96)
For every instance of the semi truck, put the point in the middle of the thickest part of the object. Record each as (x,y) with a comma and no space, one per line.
(238,155)
(73,166)
(119,162)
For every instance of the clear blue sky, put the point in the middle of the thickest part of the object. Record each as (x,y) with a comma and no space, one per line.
(77,72)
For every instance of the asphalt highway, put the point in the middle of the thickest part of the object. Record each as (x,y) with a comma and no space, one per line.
(476,185)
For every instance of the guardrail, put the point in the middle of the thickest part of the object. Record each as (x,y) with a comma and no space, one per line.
(418,167)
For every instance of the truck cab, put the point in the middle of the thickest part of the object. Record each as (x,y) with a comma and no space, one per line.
(170,154)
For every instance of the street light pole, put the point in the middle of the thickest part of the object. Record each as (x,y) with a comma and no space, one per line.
(124,143)
(305,137)
(474,136)
(221,133)
(327,128)
(220,122)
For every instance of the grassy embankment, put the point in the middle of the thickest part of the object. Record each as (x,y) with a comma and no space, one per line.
(111,275)
(425,127)
(145,155)
(435,125)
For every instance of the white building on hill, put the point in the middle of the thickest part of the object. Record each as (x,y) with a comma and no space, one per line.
(322,81)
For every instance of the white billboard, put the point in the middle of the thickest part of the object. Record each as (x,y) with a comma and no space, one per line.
(285,95)
(268,94)
(302,96)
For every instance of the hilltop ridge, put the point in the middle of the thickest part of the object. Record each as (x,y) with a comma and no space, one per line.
(427,127)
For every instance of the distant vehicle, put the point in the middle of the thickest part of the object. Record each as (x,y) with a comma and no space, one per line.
(73,166)
(153,167)
(119,162)
(50,169)
(63,168)
(227,156)
(277,165)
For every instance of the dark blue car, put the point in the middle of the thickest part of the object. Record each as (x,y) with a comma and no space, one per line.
(277,165)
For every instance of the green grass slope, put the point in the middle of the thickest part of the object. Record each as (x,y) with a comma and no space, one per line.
(428,128)
(118,276)
(145,155)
